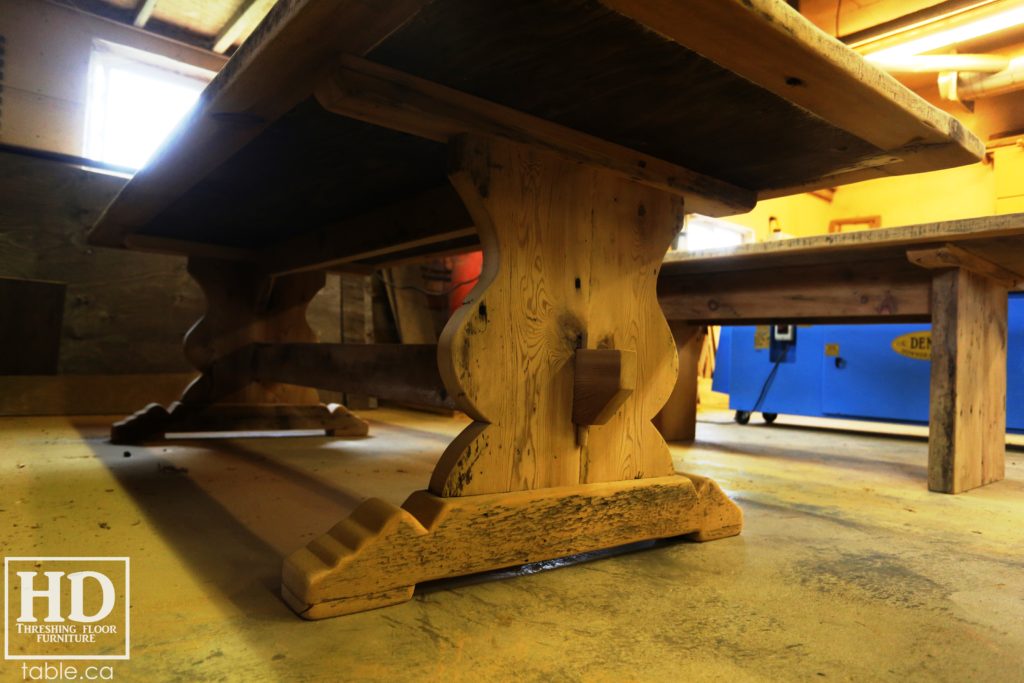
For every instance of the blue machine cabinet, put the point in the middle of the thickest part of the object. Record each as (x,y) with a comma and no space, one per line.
(863,372)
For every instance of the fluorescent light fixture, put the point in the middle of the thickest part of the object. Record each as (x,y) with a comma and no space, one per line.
(939,63)
(993,23)
(895,27)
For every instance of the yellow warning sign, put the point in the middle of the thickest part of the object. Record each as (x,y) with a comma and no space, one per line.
(832,350)
(762,337)
(917,345)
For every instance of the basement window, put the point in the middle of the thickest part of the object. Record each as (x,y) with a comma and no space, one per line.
(134,101)
(703,232)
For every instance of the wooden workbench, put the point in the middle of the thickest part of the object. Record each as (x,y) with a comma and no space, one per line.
(567,137)
(955,274)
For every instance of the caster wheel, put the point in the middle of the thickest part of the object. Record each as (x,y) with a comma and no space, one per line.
(769,417)
(742,417)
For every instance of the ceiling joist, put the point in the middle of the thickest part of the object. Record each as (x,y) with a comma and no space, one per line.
(241,23)
(144,12)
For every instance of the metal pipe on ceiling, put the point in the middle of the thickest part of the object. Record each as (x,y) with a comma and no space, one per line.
(1010,79)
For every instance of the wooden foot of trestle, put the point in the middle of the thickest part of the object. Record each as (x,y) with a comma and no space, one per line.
(154,421)
(379,553)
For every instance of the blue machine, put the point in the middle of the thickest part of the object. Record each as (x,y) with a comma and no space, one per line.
(863,372)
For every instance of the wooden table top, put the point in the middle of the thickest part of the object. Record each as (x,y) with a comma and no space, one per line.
(731,100)
(882,275)
(997,239)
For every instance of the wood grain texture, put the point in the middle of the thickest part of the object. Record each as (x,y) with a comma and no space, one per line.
(851,277)
(996,238)
(571,256)
(665,78)
(357,318)
(853,291)
(771,45)
(375,94)
(602,381)
(952,256)
(398,372)
(260,161)
(376,556)
(244,306)
(410,306)
(967,414)
(677,420)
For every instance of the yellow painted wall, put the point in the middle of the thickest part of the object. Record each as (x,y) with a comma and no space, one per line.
(799,215)
(981,189)
(963,192)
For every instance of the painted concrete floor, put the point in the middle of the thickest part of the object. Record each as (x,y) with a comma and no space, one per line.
(848,569)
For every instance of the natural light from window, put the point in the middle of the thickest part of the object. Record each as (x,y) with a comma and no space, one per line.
(134,101)
(703,232)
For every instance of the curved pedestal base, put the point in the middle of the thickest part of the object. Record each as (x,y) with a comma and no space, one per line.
(379,553)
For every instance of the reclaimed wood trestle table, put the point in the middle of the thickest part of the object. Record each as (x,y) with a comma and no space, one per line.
(954,274)
(566,138)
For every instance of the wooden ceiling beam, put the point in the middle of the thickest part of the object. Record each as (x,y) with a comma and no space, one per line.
(245,18)
(143,12)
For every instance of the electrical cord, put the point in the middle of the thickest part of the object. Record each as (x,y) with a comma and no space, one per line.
(769,380)
(426,292)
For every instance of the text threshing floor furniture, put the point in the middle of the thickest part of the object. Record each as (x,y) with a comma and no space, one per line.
(955,274)
(567,138)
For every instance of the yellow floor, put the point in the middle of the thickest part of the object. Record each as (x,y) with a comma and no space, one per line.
(848,569)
